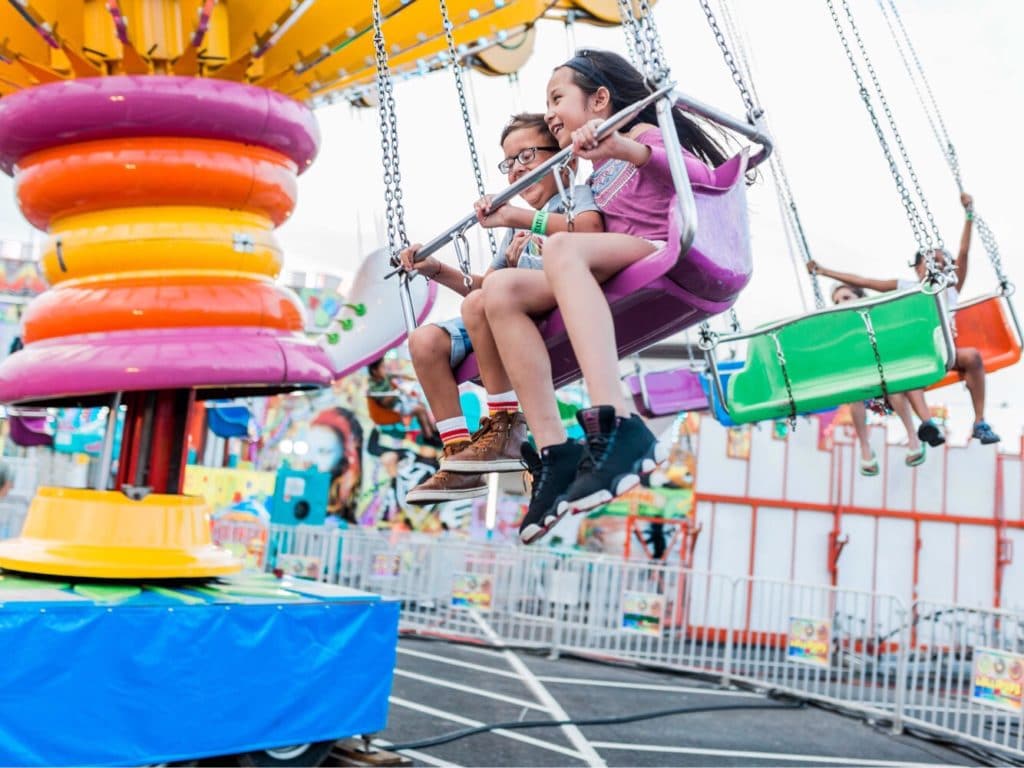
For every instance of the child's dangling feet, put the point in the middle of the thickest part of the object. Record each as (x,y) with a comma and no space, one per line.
(618,451)
(552,471)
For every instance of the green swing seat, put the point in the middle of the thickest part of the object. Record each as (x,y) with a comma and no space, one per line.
(830,360)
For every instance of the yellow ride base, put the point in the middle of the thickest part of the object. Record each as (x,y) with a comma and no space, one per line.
(106,535)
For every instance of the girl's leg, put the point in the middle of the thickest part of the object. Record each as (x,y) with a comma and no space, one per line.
(859,417)
(575,265)
(430,348)
(970,364)
(512,298)
(901,407)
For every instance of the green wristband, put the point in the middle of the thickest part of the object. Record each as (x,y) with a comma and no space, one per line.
(540,223)
(970,215)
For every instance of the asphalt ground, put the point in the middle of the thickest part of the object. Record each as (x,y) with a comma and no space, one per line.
(442,687)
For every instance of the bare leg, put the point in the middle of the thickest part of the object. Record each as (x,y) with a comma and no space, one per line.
(918,403)
(512,297)
(426,423)
(859,416)
(901,407)
(575,265)
(431,348)
(492,372)
(970,364)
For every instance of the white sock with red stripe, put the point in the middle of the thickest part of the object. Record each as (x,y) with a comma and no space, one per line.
(453,430)
(502,402)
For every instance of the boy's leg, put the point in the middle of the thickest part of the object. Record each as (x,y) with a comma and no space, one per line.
(497,445)
(928,430)
(435,351)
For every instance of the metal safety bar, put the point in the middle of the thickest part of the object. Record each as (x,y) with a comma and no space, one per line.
(708,342)
(666,98)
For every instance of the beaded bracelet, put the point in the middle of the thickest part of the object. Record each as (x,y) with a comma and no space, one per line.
(540,223)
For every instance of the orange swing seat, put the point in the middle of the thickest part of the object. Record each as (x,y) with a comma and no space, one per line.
(381,416)
(987,326)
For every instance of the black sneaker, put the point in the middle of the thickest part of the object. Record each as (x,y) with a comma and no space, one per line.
(619,451)
(552,471)
(930,433)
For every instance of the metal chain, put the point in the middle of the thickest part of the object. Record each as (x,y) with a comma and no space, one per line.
(566,192)
(633,40)
(934,230)
(785,378)
(939,130)
(737,76)
(916,224)
(464,106)
(787,201)
(462,256)
(395,212)
(658,71)
(866,316)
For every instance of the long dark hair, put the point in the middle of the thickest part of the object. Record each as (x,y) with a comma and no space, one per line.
(592,69)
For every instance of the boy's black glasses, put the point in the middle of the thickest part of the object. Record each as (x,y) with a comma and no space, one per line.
(524,156)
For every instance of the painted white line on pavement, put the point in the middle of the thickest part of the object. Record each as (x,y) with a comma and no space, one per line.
(789,758)
(423,708)
(474,691)
(456,663)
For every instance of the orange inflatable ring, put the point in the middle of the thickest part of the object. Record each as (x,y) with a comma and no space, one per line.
(122,173)
(169,238)
(169,300)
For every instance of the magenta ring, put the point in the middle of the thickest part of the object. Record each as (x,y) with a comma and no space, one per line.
(90,109)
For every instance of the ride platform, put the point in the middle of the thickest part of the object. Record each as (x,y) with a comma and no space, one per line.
(146,673)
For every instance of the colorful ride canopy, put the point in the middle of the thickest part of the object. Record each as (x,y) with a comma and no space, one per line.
(305,49)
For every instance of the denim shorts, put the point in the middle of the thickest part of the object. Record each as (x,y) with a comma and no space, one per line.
(461,345)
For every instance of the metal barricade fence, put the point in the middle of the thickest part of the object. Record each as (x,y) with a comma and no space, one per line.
(965,674)
(856,650)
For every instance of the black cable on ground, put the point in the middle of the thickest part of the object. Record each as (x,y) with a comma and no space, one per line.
(619,720)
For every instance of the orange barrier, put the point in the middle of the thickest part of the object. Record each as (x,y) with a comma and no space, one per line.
(170,300)
(986,326)
(123,173)
(165,238)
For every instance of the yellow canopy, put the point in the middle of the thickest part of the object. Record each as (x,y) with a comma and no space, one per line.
(306,49)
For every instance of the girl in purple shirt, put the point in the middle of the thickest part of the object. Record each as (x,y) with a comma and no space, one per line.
(633,190)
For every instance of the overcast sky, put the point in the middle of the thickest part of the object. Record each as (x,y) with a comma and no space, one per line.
(848,202)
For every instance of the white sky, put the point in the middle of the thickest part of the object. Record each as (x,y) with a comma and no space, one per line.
(848,202)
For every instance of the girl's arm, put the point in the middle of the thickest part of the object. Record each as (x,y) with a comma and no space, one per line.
(965,241)
(849,278)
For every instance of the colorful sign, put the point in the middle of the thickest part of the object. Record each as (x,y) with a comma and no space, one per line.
(473,590)
(642,612)
(386,565)
(997,679)
(810,641)
(302,566)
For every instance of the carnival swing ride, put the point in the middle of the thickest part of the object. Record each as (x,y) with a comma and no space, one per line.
(158,142)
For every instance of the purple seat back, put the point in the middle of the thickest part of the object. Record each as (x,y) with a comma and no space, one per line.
(29,431)
(668,392)
(666,292)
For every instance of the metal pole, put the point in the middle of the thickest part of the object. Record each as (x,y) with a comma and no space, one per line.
(107,451)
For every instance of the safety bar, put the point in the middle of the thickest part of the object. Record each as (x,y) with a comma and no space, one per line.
(666,98)
(709,341)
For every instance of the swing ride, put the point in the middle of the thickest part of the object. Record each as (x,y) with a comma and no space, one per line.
(159,144)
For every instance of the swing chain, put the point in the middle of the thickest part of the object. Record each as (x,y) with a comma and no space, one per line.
(461,245)
(566,191)
(916,223)
(644,42)
(753,112)
(866,316)
(634,42)
(785,378)
(460,87)
(707,339)
(388,124)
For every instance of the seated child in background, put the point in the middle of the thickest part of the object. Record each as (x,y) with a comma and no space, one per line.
(385,391)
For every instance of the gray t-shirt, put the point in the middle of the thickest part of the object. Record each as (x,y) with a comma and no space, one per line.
(584,201)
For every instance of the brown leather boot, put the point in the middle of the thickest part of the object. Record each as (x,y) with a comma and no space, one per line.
(495,447)
(445,486)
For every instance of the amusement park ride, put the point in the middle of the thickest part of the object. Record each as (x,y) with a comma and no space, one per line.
(158,143)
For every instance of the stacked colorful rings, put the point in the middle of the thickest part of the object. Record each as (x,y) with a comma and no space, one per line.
(160,195)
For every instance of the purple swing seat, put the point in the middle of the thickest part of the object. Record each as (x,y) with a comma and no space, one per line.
(667,292)
(668,392)
(29,431)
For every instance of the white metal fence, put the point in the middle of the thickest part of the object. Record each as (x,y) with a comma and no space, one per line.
(856,650)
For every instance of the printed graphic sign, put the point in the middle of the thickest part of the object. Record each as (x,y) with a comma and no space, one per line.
(642,612)
(997,678)
(302,566)
(472,590)
(386,565)
(810,641)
